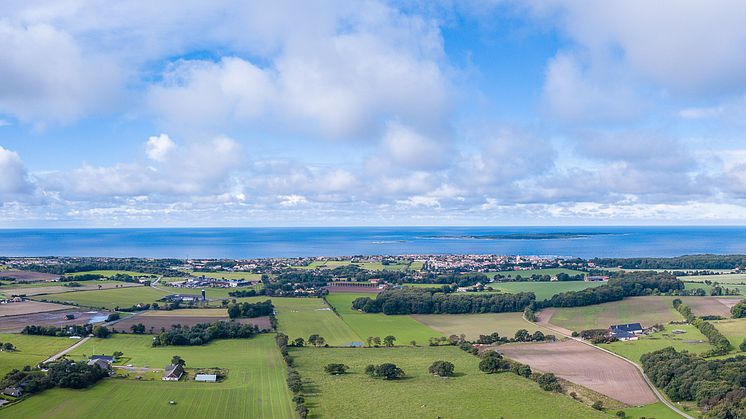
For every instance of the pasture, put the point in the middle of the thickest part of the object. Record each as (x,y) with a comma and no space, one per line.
(403,327)
(725,278)
(108,273)
(473,325)
(227,275)
(587,366)
(543,290)
(31,350)
(654,410)
(529,272)
(645,310)
(733,329)
(255,386)
(470,394)
(111,298)
(633,350)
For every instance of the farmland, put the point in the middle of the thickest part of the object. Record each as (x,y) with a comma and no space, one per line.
(726,278)
(154,323)
(110,273)
(473,325)
(469,394)
(733,329)
(633,350)
(405,328)
(645,310)
(44,288)
(227,275)
(51,318)
(30,350)
(529,272)
(255,386)
(109,299)
(582,364)
(543,290)
(29,307)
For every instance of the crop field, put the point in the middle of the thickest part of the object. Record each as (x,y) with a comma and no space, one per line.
(371,266)
(529,272)
(59,289)
(14,324)
(470,394)
(28,275)
(543,290)
(227,275)
(404,328)
(645,310)
(726,278)
(733,329)
(587,366)
(473,325)
(692,341)
(31,350)
(121,297)
(716,306)
(693,285)
(29,307)
(255,386)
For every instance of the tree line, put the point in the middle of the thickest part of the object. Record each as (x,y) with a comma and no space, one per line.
(62,373)
(430,301)
(720,343)
(202,333)
(679,262)
(250,310)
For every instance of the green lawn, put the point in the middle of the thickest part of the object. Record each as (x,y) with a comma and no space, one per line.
(405,328)
(633,350)
(255,386)
(473,325)
(655,410)
(733,329)
(31,350)
(529,272)
(122,297)
(645,310)
(470,394)
(543,290)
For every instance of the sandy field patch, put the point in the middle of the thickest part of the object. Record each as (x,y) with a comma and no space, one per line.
(27,307)
(587,366)
(14,324)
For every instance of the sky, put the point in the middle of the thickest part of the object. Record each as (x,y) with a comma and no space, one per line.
(342,113)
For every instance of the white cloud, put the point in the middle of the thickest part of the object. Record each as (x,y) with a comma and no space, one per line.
(158,148)
(412,149)
(13,176)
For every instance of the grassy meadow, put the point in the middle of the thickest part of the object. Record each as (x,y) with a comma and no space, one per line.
(470,394)
(31,350)
(645,310)
(405,328)
(121,297)
(255,385)
(473,325)
(543,290)
(633,350)
(529,272)
(733,329)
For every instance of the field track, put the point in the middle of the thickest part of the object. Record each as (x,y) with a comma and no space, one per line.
(584,365)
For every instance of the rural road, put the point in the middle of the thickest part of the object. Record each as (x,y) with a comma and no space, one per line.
(563,332)
(63,352)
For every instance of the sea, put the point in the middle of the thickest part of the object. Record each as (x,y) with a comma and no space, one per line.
(240,243)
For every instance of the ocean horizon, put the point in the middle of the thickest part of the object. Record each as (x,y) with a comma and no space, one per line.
(267,242)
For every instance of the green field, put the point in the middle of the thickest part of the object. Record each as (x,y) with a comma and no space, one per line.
(227,275)
(31,350)
(255,386)
(549,271)
(405,328)
(645,310)
(651,411)
(733,329)
(723,278)
(473,325)
(371,266)
(122,297)
(110,273)
(543,290)
(707,288)
(470,394)
(633,350)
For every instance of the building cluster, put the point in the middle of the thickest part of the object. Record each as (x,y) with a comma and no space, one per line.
(205,282)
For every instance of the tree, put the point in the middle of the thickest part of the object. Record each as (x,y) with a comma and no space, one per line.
(739,310)
(369,341)
(493,362)
(537,336)
(413,342)
(598,405)
(298,342)
(138,329)
(389,341)
(376,341)
(101,332)
(522,335)
(177,360)
(312,339)
(742,346)
(113,316)
(320,341)
(117,354)
(548,382)
(387,371)
(336,369)
(8,347)
(441,369)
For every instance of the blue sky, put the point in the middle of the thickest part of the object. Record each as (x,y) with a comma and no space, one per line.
(273,113)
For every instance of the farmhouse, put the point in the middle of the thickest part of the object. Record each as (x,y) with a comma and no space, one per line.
(101,361)
(596,278)
(13,392)
(206,378)
(173,372)
(629,331)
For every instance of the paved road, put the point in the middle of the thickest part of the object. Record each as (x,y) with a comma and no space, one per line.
(562,331)
(63,352)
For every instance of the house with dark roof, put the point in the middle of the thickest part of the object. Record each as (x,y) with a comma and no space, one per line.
(101,363)
(13,391)
(629,331)
(172,372)
(106,358)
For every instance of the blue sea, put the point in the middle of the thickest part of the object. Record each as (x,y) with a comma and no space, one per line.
(585,242)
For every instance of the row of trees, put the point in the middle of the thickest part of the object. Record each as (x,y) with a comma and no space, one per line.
(62,373)
(428,301)
(738,311)
(72,330)
(720,343)
(492,362)
(202,333)
(250,310)
(716,385)
(521,335)
(680,262)
(294,382)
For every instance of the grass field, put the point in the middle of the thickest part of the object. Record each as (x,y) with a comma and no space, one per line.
(733,329)
(543,290)
(633,350)
(655,410)
(529,272)
(110,273)
(471,394)
(723,278)
(473,325)
(122,297)
(31,350)
(227,275)
(255,387)
(707,288)
(645,310)
(405,328)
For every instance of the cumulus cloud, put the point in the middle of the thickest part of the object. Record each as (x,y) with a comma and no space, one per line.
(13,176)
(412,149)
(159,147)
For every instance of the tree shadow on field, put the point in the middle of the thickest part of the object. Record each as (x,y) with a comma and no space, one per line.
(310,388)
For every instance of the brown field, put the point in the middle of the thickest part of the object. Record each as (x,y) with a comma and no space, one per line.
(586,366)
(715,306)
(29,307)
(59,289)
(28,276)
(165,322)
(14,324)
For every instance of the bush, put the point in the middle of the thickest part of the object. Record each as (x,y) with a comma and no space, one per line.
(598,405)
(387,371)
(548,382)
(112,317)
(742,346)
(336,369)
(493,362)
(441,369)
(101,332)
